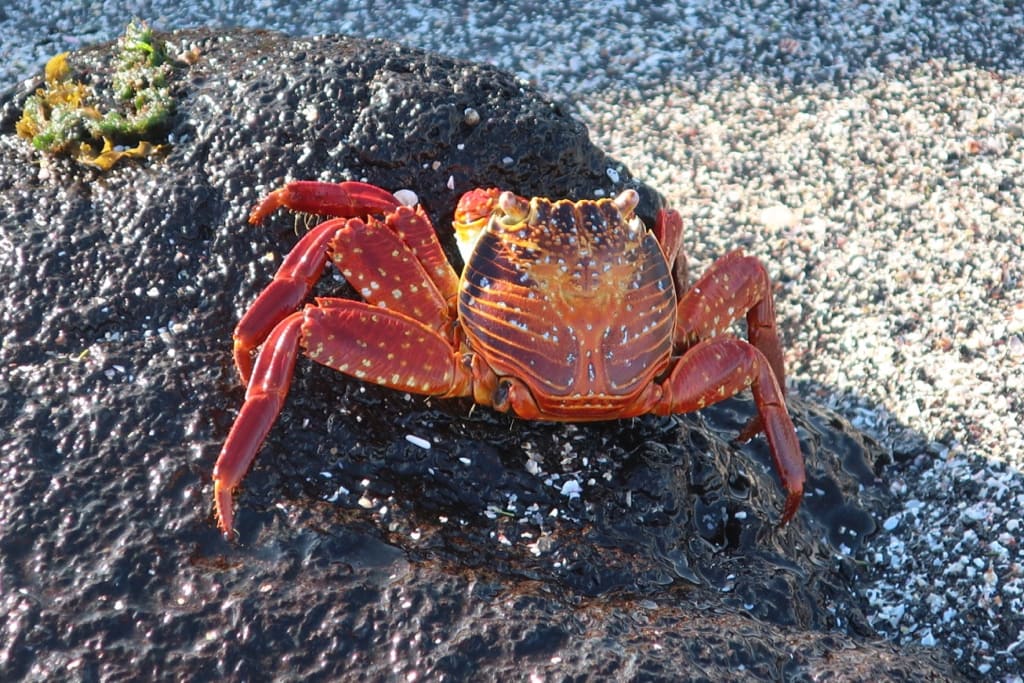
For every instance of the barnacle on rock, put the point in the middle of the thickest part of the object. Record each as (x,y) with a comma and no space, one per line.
(64,116)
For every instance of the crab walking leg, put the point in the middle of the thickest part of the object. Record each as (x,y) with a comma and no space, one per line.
(668,230)
(264,397)
(418,234)
(364,341)
(387,272)
(733,286)
(396,264)
(721,367)
(344,200)
(384,347)
(298,273)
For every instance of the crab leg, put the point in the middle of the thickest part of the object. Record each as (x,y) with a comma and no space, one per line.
(305,263)
(390,273)
(418,234)
(398,263)
(264,396)
(364,341)
(732,286)
(395,265)
(290,286)
(718,368)
(668,230)
(343,200)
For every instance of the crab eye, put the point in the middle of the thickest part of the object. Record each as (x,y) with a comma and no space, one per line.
(626,202)
(515,207)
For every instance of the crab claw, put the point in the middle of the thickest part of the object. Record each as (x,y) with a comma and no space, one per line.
(343,200)
(475,207)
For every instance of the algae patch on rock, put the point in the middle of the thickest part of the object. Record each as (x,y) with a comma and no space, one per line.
(99,124)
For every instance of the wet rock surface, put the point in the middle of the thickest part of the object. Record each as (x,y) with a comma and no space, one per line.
(359,550)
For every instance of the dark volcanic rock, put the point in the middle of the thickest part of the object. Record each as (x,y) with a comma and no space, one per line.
(360,552)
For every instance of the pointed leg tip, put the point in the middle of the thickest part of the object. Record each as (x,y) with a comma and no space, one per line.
(791,507)
(223,510)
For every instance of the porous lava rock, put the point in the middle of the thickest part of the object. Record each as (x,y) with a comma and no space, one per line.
(360,551)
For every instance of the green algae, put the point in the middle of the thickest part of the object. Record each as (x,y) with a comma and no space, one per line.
(68,117)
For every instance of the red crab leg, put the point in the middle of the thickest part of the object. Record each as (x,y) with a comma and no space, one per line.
(668,230)
(387,273)
(264,397)
(418,234)
(398,264)
(734,285)
(364,341)
(719,368)
(300,269)
(344,200)
(384,347)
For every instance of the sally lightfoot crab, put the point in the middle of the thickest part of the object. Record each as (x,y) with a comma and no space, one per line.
(571,311)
